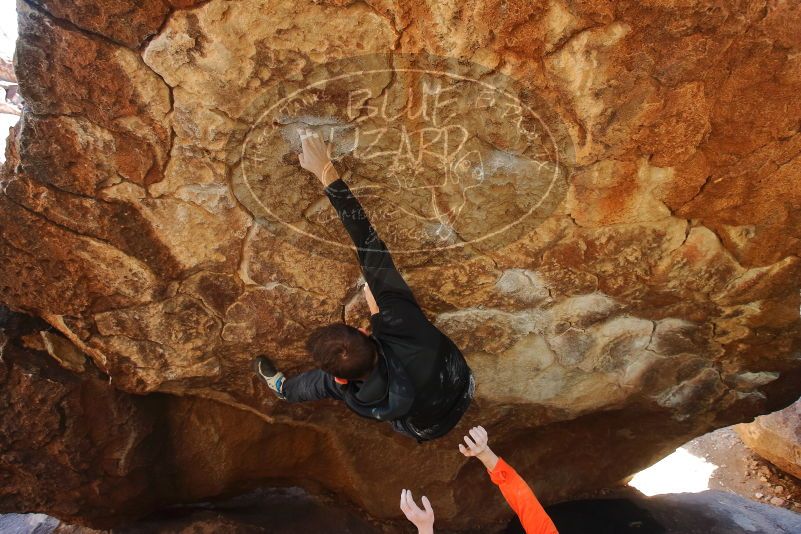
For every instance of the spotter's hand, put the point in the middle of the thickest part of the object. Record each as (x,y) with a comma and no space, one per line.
(423,518)
(478,444)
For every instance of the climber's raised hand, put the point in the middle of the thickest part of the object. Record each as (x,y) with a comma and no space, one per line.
(422,519)
(315,157)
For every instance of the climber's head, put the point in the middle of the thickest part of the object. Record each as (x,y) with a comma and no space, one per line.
(343,351)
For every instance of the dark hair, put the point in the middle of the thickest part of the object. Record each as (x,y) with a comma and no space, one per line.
(342,350)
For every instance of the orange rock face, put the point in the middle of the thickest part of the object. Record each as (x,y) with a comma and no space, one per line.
(598,201)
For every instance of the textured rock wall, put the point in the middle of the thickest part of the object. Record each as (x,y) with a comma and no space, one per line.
(74,445)
(69,442)
(154,214)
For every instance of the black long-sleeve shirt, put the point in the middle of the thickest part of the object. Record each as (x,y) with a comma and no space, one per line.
(401,329)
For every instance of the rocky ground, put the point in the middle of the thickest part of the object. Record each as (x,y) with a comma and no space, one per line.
(742,472)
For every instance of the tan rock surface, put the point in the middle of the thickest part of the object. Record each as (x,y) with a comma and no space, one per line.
(777,438)
(599,201)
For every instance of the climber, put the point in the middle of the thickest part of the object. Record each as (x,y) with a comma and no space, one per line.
(406,371)
(513,488)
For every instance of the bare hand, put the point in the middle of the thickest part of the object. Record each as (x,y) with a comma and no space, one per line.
(315,158)
(477,445)
(371,303)
(422,519)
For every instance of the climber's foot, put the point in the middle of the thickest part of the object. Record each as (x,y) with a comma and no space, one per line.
(268,373)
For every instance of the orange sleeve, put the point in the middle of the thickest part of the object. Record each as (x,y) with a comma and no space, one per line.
(522,500)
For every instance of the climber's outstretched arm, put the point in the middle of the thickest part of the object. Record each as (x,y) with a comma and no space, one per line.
(379,270)
(385,282)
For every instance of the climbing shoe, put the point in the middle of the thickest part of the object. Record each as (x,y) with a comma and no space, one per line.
(271,376)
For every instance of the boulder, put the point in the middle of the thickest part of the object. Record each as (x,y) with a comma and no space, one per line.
(712,512)
(598,201)
(777,438)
